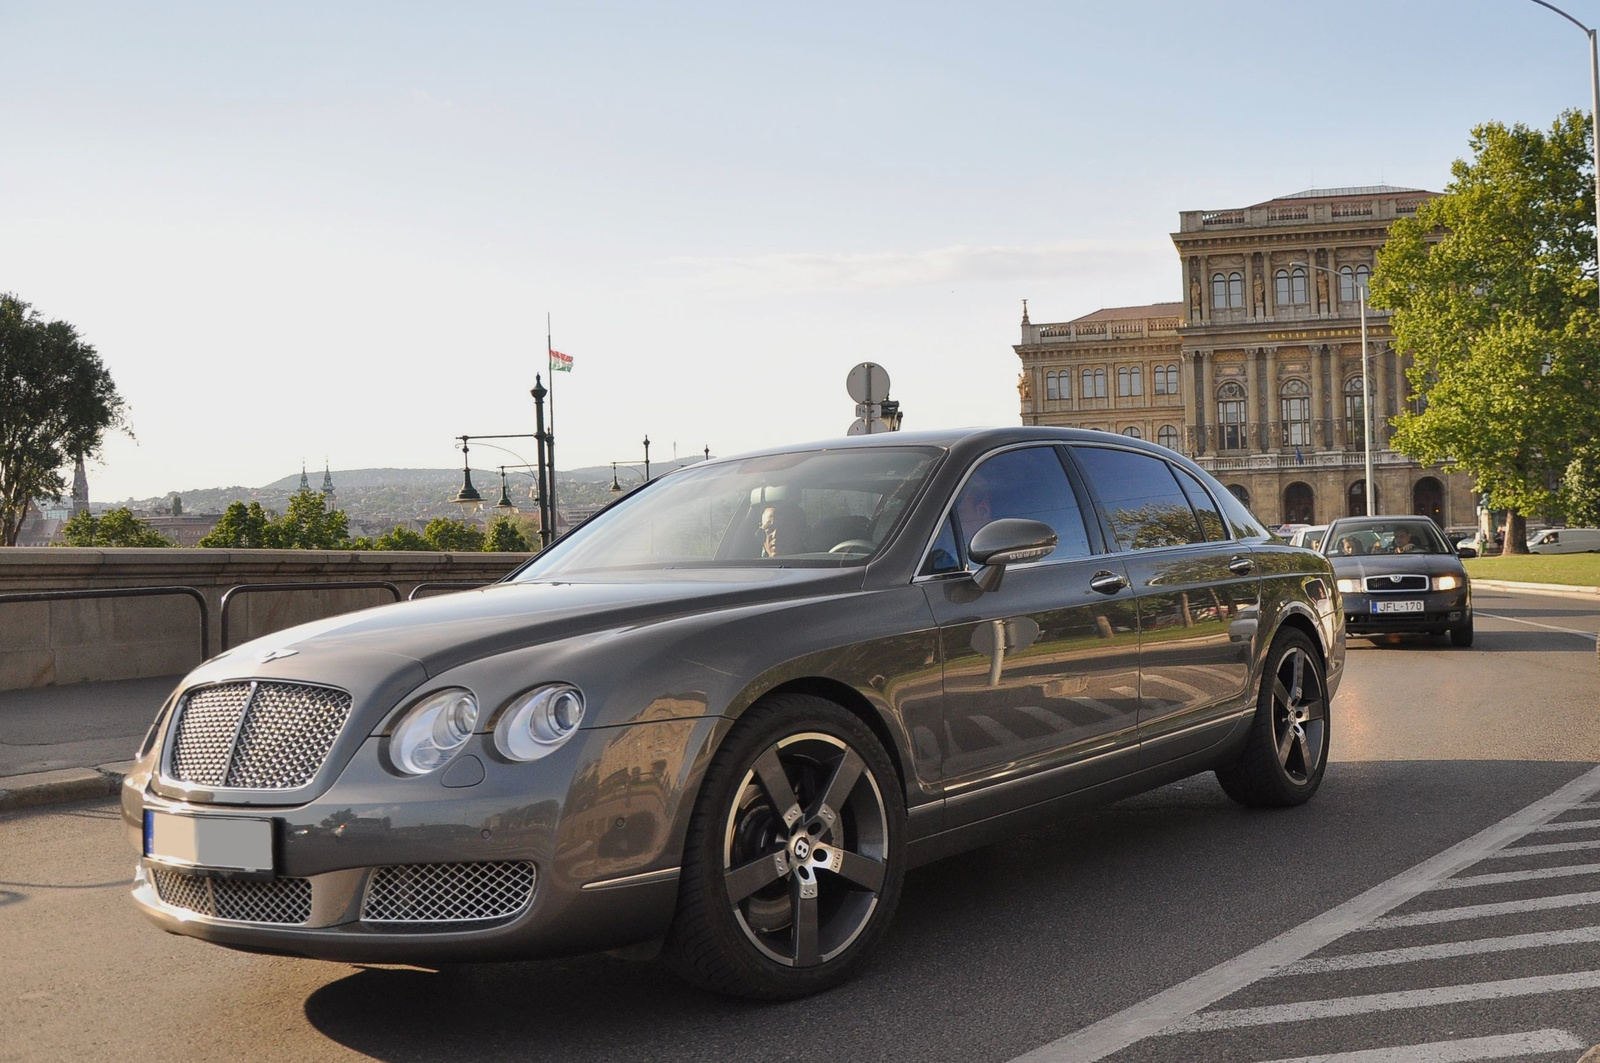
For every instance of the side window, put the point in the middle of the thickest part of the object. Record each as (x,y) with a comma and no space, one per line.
(1027,483)
(1204,508)
(1139,499)
(945,555)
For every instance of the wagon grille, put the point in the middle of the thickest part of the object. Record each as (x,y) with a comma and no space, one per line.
(279,900)
(256,736)
(448,893)
(1379,584)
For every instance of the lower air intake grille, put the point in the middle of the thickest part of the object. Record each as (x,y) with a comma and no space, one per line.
(447,893)
(281,900)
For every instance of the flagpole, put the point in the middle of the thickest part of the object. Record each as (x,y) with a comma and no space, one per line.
(548,358)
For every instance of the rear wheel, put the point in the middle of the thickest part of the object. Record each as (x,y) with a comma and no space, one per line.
(1462,636)
(1287,751)
(794,859)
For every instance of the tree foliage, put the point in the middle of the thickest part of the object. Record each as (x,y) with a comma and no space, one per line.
(241,527)
(506,536)
(57,401)
(1580,487)
(117,527)
(1492,289)
(307,524)
(447,534)
(398,538)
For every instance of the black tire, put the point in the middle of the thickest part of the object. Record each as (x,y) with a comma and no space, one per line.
(1287,751)
(1462,636)
(817,879)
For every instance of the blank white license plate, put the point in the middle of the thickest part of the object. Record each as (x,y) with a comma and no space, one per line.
(211,841)
(1397,607)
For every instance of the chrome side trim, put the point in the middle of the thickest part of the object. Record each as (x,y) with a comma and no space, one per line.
(666,874)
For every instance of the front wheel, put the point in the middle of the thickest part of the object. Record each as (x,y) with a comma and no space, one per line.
(1462,636)
(1287,751)
(794,858)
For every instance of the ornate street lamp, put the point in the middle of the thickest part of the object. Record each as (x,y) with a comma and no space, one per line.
(467,498)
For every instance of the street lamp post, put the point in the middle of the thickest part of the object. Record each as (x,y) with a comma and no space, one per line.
(1366,385)
(1594,120)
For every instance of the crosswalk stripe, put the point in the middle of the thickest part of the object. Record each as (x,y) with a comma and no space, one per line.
(1484,911)
(1504,1046)
(1417,953)
(1535,850)
(1566,824)
(1564,871)
(1305,1010)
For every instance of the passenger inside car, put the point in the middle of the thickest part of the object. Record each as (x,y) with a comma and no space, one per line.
(1349,545)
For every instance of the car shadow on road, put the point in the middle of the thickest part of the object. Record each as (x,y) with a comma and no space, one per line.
(1541,641)
(992,952)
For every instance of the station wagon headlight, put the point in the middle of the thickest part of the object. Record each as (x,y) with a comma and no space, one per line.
(433,730)
(539,721)
(1349,586)
(1446,583)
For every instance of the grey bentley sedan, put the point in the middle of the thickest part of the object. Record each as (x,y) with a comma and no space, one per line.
(720,720)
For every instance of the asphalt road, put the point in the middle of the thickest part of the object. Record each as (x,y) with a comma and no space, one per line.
(1010,950)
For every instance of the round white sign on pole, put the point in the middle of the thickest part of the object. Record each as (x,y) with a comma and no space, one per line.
(868,382)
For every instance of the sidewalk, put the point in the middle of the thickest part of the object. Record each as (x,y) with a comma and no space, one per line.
(72,743)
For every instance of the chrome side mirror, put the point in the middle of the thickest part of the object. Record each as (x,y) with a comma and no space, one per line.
(1008,541)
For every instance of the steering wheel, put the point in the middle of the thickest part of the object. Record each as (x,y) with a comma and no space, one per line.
(852,546)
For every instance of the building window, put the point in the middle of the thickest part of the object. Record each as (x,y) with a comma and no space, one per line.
(1132,432)
(1167,436)
(1238,491)
(1166,379)
(1227,292)
(1350,281)
(1355,422)
(1094,384)
(1052,386)
(1130,381)
(1296,400)
(1231,431)
(1235,290)
(1292,287)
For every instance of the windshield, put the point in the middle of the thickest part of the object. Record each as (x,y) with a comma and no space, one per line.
(809,508)
(1385,537)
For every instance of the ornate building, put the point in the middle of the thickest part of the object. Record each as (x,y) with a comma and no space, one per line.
(1257,375)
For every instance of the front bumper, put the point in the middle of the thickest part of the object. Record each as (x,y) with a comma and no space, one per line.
(601,820)
(1441,611)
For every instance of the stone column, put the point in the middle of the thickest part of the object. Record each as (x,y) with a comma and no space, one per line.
(1187,388)
(1336,372)
(1274,407)
(1260,402)
(1319,397)
(1207,397)
(1380,396)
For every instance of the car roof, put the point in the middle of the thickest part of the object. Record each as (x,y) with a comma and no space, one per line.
(968,440)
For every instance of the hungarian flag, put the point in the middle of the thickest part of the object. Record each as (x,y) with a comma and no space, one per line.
(560,363)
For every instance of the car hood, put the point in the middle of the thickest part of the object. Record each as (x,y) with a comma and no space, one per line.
(445,631)
(1361,565)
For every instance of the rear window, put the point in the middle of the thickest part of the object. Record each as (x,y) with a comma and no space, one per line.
(1140,499)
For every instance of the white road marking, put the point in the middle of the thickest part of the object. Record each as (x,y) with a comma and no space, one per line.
(1569,824)
(1535,623)
(1149,1017)
(1535,850)
(1505,1046)
(1564,871)
(1484,911)
(1417,953)
(1301,1011)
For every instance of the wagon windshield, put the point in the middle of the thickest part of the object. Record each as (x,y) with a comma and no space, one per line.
(816,508)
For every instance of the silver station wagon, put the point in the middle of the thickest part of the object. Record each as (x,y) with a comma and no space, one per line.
(721,719)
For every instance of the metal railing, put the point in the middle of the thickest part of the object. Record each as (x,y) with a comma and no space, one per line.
(450,585)
(250,588)
(128,592)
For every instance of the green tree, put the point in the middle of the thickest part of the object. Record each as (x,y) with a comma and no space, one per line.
(400,538)
(1493,295)
(308,524)
(57,401)
(117,527)
(177,505)
(241,527)
(506,536)
(447,534)
(1580,487)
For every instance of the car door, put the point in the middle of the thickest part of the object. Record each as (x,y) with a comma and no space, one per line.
(1041,674)
(1198,593)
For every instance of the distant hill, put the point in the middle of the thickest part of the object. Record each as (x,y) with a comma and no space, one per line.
(378,499)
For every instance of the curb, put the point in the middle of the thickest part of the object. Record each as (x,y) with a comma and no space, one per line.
(61,786)
(1565,590)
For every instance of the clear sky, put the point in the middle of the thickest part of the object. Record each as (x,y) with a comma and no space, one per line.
(297,230)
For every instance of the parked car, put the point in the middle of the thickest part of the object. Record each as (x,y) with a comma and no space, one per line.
(1565,541)
(1309,537)
(1399,575)
(729,712)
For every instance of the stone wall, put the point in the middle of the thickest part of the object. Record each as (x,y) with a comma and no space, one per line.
(47,643)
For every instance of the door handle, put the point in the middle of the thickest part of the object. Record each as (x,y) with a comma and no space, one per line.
(1241,566)
(1107,582)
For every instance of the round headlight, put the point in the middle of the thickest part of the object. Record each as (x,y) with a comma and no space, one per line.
(433,730)
(539,721)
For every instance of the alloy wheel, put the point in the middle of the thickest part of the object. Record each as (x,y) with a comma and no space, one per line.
(1299,714)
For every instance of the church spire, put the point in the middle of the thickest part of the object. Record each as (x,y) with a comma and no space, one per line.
(1025,311)
(80,488)
(327,478)
(305,484)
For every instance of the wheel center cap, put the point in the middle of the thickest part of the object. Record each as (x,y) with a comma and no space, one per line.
(801,846)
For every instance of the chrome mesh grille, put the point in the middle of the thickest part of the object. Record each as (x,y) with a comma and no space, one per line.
(256,736)
(285,901)
(447,893)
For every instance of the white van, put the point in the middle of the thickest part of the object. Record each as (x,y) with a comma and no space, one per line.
(1565,541)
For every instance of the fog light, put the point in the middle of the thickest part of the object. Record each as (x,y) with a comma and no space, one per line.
(1455,616)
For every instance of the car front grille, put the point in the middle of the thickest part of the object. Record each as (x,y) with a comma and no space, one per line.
(1381,584)
(284,901)
(448,893)
(256,735)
